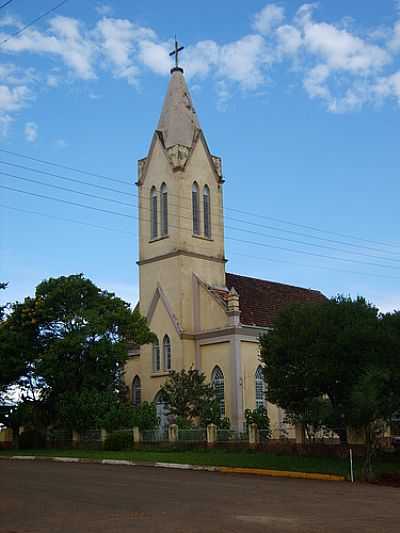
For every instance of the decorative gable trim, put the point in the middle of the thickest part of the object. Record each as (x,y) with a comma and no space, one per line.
(143,164)
(217,171)
(159,294)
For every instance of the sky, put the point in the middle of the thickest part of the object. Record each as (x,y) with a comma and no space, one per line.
(301,101)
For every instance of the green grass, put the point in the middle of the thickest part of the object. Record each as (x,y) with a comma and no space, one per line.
(219,457)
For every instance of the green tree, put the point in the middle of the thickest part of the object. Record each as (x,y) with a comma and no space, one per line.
(315,355)
(72,338)
(187,395)
(260,417)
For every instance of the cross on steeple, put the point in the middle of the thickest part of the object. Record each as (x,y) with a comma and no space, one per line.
(176,52)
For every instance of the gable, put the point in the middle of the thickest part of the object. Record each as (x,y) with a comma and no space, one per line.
(161,309)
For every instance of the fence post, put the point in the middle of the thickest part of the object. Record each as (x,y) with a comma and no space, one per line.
(75,439)
(300,434)
(254,435)
(137,436)
(173,433)
(211,435)
(103,435)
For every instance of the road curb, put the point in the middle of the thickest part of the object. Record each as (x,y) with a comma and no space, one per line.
(179,466)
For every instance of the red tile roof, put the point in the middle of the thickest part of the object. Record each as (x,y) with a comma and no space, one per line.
(261,300)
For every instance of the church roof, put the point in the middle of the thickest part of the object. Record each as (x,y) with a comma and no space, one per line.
(261,300)
(178,121)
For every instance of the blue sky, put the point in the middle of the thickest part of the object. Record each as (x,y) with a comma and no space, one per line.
(301,101)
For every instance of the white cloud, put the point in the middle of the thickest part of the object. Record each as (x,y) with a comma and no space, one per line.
(394,42)
(14,98)
(118,39)
(244,60)
(65,39)
(268,18)
(31,132)
(5,121)
(289,40)
(155,56)
(342,50)
(104,9)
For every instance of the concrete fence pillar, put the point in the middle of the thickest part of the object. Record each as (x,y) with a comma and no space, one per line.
(211,434)
(300,434)
(254,435)
(137,435)
(75,439)
(173,433)
(103,435)
(21,429)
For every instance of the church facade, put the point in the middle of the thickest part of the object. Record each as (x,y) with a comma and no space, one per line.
(204,317)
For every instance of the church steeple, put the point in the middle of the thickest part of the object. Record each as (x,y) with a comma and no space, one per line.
(178,120)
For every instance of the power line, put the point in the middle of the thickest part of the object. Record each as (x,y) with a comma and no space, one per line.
(55,217)
(32,22)
(264,226)
(236,254)
(6,4)
(246,213)
(130,205)
(243,241)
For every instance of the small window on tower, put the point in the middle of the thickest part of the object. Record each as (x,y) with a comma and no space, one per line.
(207,212)
(164,209)
(153,214)
(195,209)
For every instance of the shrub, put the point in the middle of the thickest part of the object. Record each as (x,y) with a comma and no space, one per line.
(31,439)
(260,417)
(119,440)
(145,416)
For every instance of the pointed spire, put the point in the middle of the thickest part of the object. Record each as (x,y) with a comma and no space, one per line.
(178,121)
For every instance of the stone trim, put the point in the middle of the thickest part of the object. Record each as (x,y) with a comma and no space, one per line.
(178,253)
(246,333)
(159,294)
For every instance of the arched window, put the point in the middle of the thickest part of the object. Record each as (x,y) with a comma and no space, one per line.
(207,212)
(153,214)
(164,209)
(167,353)
(156,357)
(136,392)
(217,380)
(260,388)
(196,209)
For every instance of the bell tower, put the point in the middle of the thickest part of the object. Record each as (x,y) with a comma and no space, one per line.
(181,233)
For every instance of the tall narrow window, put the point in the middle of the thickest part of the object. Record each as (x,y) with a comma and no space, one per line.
(167,353)
(207,212)
(260,388)
(217,380)
(195,208)
(136,392)
(153,214)
(164,209)
(156,357)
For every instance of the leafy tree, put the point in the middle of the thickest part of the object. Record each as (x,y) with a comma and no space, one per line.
(145,416)
(210,413)
(315,355)
(260,417)
(187,395)
(72,341)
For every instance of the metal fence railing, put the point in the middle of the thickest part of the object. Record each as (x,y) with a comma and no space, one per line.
(192,435)
(155,435)
(230,435)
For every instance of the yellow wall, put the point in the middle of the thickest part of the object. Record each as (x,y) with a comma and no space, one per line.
(219,354)
(250,361)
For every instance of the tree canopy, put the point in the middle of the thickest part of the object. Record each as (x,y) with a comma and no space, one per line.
(70,342)
(319,355)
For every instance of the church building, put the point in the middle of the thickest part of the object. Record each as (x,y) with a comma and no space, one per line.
(203,316)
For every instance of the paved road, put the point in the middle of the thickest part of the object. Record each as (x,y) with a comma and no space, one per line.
(37,497)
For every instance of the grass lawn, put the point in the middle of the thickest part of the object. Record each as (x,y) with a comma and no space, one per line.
(220,457)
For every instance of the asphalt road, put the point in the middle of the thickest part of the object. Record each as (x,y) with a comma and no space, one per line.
(73,498)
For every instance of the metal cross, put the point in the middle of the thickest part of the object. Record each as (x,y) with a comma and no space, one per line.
(176,52)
